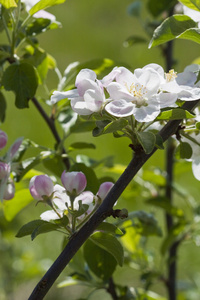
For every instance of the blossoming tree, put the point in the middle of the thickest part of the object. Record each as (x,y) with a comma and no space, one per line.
(155,109)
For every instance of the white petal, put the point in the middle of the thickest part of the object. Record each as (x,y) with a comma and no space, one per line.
(57,96)
(167,99)
(186,78)
(120,108)
(118,92)
(148,113)
(49,215)
(79,106)
(85,74)
(189,94)
(94,100)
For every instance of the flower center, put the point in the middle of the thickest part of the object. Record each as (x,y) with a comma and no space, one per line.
(171,75)
(139,93)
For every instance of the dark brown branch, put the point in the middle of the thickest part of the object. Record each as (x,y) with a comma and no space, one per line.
(83,234)
(52,127)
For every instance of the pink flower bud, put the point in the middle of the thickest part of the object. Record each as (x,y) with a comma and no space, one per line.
(9,191)
(104,189)
(40,186)
(3,139)
(74,182)
(4,170)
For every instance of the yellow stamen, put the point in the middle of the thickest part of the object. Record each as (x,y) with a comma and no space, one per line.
(171,75)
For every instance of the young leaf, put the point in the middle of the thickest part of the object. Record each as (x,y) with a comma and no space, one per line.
(41,25)
(147,141)
(43,228)
(110,244)
(192,34)
(8,3)
(170,29)
(43,4)
(22,80)
(102,264)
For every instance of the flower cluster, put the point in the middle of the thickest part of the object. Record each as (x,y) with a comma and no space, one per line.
(7,187)
(142,94)
(69,200)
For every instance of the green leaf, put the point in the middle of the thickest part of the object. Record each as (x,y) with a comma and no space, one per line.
(159,141)
(157,7)
(3,107)
(35,228)
(102,264)
(175,114)
(147,141)
(164,203)
(193,4)
(41,25)
(110,228)
(92,181)
(22,80)
(134,9)
(105,126)
(28,228)
(43,4)
(81,145)
(170,29)
(110,244)
(184,150)
(192,34)
(8,3)
(44,228)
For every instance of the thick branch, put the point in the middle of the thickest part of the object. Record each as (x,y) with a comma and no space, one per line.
(83,234)
(52,127)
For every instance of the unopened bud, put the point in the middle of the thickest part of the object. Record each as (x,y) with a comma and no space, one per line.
(3,139)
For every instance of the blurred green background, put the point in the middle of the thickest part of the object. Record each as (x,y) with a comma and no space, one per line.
(90,30)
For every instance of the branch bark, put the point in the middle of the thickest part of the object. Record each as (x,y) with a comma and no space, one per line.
(77,240)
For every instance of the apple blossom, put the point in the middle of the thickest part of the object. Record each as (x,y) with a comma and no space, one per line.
(88,97)
(41,186)
(3,139)
(137,94)
(74,182)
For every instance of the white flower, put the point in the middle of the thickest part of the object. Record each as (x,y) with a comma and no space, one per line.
(137,94)
(88,97)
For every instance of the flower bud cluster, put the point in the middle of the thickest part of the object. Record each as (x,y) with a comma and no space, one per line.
(71,199)
(7,187)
